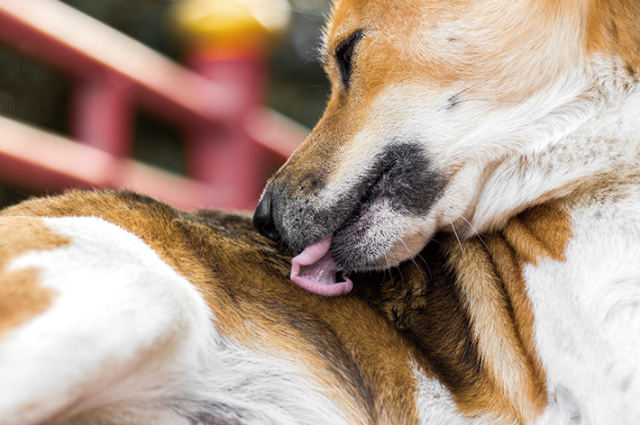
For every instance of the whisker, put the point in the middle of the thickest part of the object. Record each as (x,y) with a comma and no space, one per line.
(404,283)
(476,233)
(386,259)
(412,259)
(479,99)
(458,239)
(432,240)
(384,272)
(452,98)
(426,265)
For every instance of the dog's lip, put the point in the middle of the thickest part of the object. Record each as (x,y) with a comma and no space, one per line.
(314,269)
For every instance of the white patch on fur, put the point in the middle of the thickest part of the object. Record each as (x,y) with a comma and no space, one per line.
(606,143)
(435,404)
(128,340)
(123,324)
(587,313)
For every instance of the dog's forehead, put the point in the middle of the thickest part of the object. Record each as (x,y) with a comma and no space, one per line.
(419,35)
(404,17)
(399,23)
(352,15)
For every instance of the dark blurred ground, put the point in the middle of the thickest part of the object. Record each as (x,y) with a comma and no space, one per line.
(33,93)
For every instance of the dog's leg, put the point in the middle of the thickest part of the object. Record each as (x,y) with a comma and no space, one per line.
(96,319)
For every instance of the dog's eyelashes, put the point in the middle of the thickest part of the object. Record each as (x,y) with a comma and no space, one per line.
(344,56)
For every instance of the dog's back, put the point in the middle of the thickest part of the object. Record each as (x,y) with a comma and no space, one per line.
(119,309)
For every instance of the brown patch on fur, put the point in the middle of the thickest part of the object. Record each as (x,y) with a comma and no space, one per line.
(21,296)
(244,279)
(392,36)
(509,271)
(540,232)
(613,28)
(465,306)
(516,389)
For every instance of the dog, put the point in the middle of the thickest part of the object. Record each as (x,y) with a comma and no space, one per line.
(510,123)
(118,309)
(459,117)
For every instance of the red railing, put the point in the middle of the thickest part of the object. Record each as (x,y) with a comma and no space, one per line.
(230,140)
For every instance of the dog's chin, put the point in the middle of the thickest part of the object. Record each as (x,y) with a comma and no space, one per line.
(375,240)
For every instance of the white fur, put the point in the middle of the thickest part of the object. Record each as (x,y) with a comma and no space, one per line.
(588,321)
(115,301)
(128,340)
(436,406)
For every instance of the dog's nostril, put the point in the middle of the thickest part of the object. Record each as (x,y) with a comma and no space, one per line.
(263,218)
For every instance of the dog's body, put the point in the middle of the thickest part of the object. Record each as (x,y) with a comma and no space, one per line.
(148,315)
(117,309)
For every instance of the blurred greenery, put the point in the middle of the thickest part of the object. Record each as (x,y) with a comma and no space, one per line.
(33,93)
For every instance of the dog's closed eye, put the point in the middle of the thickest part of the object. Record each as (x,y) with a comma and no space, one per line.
(344,55)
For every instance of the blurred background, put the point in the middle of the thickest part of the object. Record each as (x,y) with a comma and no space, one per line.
(263,52)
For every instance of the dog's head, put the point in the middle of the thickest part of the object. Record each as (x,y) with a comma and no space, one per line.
(427,97)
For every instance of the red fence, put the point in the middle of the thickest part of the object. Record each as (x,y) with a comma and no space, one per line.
(230,140)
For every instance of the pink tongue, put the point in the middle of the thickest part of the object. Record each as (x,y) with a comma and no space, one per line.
(315,270)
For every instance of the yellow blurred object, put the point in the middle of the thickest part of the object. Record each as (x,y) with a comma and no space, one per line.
(243,24)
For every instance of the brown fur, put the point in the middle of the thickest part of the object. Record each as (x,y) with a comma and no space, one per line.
(465,306)
(21,296)
(613,28)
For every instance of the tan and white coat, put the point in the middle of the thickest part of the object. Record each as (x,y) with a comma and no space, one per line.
(513,124)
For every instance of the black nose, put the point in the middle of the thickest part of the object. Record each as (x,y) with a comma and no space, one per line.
(263,218)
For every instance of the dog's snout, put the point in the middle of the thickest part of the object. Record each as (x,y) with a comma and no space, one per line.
(263,217)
